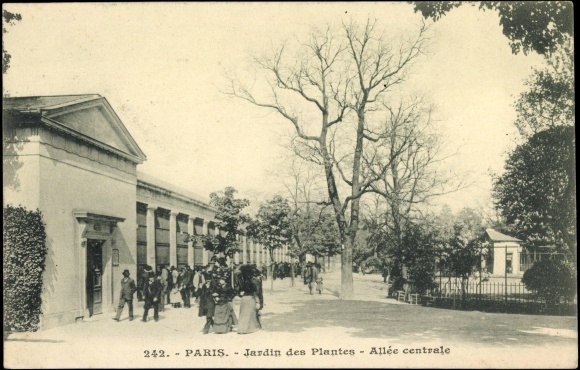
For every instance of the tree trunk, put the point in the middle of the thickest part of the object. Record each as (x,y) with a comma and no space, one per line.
(346,282)
(346,285)
(270,272)
(292,272)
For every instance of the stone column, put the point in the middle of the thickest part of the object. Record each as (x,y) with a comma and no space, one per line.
(173,239)
(217,233)
(205,231)
(258,255)
(253,255)
(237,254)
(244,255)
(151,235)
(190,251)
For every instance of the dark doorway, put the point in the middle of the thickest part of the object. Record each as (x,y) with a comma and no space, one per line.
(95,276)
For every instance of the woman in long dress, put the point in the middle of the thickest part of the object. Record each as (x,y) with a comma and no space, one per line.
(252,300)
(224,316)
(319,280)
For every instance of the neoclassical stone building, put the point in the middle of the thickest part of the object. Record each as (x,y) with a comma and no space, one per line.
(72,158)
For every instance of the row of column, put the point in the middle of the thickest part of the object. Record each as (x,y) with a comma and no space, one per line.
(151,242)
(280,255)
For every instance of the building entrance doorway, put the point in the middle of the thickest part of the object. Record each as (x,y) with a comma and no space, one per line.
(95,276)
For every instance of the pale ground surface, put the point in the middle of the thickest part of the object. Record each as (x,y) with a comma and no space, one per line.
(293,319)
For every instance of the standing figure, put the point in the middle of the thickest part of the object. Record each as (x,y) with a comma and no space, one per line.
(385,274)
(144,278)
(128,288)
(198,281)
(252,300)
(176,291)
(310,276)
(163,279)
(319,281)
(186,284)
(170,284)
(206,304)
(224,316)
(152,293)
(305,272)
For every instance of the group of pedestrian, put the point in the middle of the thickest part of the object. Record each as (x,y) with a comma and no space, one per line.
(280,270)
(312,276)
(222,285)
(213,287)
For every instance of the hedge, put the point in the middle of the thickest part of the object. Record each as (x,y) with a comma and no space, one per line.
(24,239)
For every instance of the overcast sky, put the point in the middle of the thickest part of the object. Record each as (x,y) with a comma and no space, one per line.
(160,66)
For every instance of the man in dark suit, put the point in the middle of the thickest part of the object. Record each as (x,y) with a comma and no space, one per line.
(128,288)
(152,294)
(186,284)
(206,303)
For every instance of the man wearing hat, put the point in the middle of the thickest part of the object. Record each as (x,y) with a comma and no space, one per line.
(128,288)
(152,294)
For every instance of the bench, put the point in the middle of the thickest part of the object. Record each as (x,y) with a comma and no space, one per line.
(427,300)
(401,295)
(414,298)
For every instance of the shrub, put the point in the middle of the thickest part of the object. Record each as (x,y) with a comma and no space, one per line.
(24,239)
(551,280)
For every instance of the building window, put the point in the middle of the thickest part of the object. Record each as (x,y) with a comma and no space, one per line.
(141,244)
(489,262)
(509,263)
(161,238)
(182,249)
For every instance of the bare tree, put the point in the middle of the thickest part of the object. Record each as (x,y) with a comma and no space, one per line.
(314,87)
(410,157)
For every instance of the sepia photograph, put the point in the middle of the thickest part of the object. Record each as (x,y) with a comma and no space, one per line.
(289,185)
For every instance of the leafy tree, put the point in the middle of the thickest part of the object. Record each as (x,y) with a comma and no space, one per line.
(461,243)
(8,18)
(229,213)
(314,85)
(272,227)
(419,254)
(24,247)
(325,239)
(537,192)
(529,25)
(314,230)
(550,100)
(551,280)
(463,254)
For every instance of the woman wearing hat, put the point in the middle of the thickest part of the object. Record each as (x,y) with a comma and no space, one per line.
(252,299)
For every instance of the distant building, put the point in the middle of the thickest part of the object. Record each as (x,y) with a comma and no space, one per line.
(72,158)
(504,256)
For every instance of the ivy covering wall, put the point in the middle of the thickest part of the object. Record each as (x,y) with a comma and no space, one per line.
(24,241)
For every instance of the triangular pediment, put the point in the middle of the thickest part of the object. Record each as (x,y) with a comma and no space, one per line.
(93,123)
(96,120)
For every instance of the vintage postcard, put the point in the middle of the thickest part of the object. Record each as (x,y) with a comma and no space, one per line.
(289,185)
